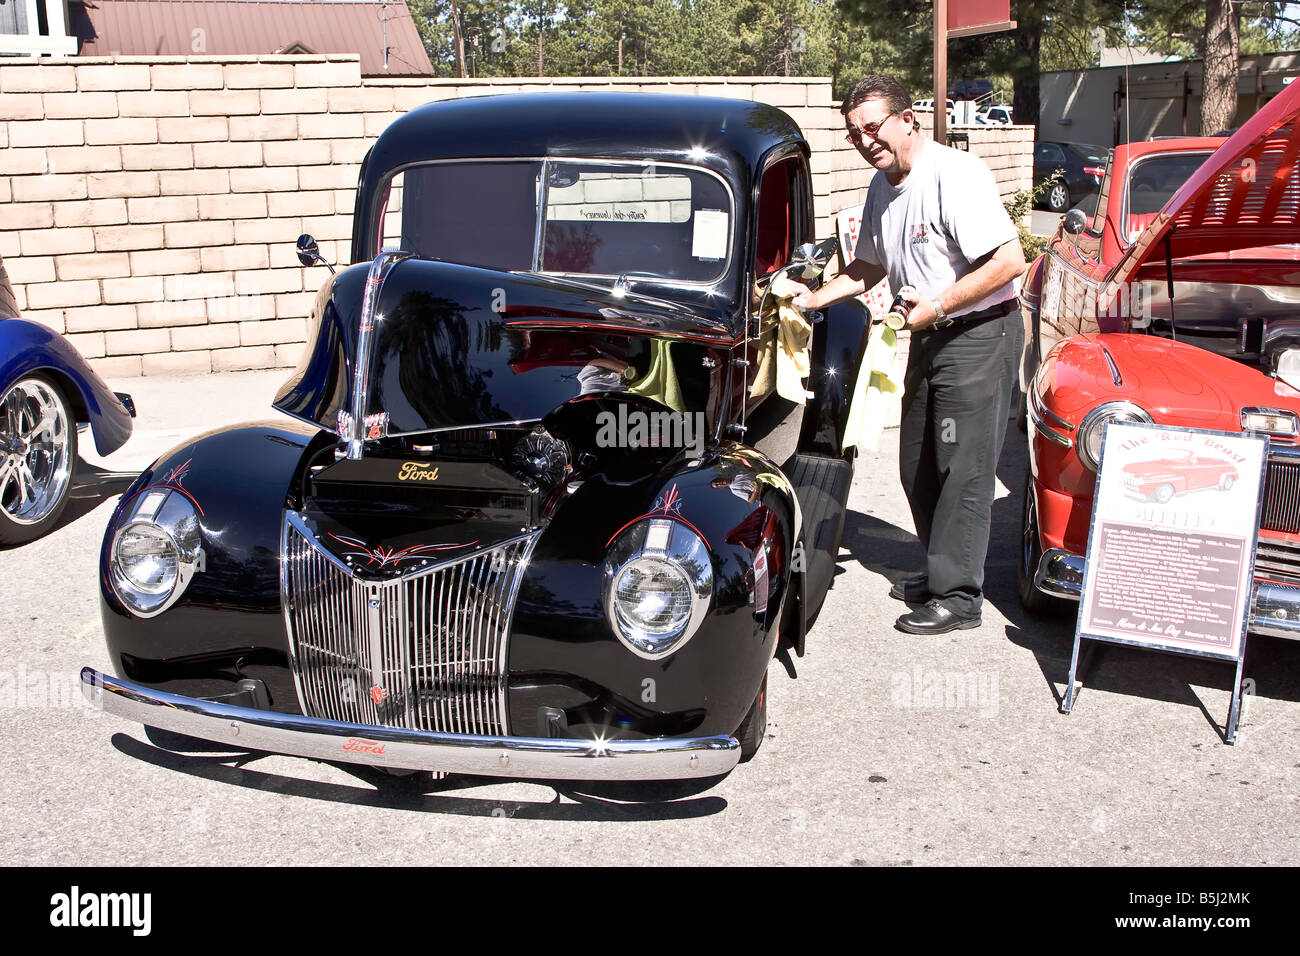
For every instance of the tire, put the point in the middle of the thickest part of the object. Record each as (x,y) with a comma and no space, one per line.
(1226,482)
(1031,554)
(1058,197)
(1164,494)
(754,726)
(38,452)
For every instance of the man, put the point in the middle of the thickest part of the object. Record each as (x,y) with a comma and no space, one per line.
(933,220)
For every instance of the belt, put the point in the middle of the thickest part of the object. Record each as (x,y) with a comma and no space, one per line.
(967,319)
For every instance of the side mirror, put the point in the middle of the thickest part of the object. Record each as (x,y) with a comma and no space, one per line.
(1075,221)
(812,259)
(309,252)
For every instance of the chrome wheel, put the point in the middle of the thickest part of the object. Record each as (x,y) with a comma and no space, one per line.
(1058,197)
(38,445)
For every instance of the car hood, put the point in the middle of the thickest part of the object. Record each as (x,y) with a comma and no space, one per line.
(455,346)
(1246,195)
(1179,384)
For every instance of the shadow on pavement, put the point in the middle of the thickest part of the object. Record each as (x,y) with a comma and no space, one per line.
(422,792)
(1271,663)
(91,487)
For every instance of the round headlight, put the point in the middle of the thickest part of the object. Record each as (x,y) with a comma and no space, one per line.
(652,596)
(155,552)
(1088,442)
(147,558)
(658,586)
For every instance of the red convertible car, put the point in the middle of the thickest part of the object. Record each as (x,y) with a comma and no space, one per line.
(1176,474)
(1187,314)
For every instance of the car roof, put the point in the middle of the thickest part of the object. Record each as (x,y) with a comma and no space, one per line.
(708,131)
(1132,151)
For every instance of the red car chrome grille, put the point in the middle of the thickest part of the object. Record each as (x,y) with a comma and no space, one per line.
(425,651)
(1282,497)
(1278,561)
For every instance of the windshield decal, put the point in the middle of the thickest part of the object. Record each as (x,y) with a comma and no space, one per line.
(709,240)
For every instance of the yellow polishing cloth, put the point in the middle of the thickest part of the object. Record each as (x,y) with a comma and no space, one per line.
(660,379)
(794,334)
(878,389)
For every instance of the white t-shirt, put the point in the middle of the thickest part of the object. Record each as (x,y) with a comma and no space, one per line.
(928,230)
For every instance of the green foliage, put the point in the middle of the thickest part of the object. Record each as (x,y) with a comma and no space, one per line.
(1019,205)
(842,39)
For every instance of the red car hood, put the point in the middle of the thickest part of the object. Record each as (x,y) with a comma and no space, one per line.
(1247,194)
(1179,384)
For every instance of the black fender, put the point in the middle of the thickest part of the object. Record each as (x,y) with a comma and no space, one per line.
(838,344)
(565,658)
(228,624)
(28,347)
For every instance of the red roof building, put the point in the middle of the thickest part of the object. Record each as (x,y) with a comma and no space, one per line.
(382,32)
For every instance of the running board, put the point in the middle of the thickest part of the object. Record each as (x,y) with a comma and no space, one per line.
(822,485)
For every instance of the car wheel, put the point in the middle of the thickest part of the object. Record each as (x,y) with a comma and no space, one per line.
(38,448)
(1033,600)
(1058,197)
(754,726)
(1226,482)
(1164,493)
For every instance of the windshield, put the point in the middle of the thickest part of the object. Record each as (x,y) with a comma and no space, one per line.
(1154,180)
(1151,183)
(575,217)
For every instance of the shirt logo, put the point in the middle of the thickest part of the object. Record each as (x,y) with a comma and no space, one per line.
(919,234)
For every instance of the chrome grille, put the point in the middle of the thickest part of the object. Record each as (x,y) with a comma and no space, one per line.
(1282,497)
(1277,560)
(424,651)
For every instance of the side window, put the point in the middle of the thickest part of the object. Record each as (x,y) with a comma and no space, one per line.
(390,215)
(780,215)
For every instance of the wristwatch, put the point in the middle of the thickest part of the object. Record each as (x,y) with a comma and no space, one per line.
(941,320)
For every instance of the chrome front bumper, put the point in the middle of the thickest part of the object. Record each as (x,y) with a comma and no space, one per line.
(1274,608)
(540,758)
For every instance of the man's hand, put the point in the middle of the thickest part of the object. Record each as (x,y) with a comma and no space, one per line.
(856,279)
(922,314)
(805,300)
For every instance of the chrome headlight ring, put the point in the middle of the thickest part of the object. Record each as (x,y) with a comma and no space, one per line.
(658,586)
(155,553)
(1088,441)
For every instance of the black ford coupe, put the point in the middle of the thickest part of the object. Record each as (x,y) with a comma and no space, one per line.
(545,505)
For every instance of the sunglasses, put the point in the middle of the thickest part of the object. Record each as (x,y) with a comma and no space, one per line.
(854,134)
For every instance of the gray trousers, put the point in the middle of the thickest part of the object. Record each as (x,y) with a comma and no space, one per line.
(957,395)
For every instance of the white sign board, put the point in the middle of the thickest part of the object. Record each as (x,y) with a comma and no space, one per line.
(877,298)
(1171,552)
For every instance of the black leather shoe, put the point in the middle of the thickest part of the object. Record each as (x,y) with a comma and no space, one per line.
(934,618)
(912,590)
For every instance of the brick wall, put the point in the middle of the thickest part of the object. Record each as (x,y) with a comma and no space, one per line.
(149,206)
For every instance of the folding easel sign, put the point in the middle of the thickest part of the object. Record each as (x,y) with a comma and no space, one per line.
(1171,549)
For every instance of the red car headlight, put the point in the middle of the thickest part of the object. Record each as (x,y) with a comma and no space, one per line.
(1088,442)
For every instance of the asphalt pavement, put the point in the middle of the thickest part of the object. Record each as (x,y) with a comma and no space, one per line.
(888,748)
